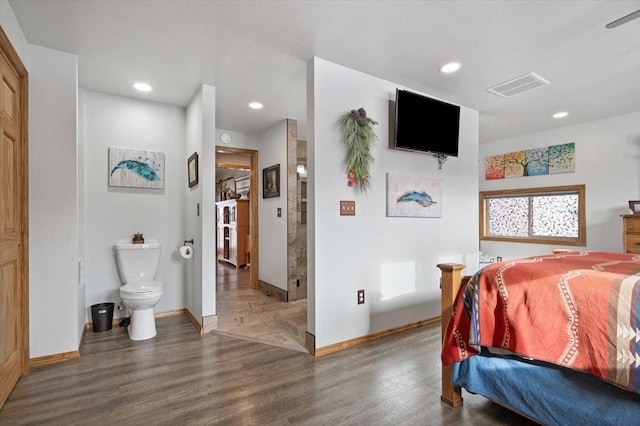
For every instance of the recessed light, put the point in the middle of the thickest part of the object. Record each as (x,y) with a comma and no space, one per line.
(561,114)
(255,105)
(450,67)
(143,87)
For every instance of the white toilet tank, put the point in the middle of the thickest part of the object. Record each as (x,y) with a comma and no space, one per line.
(138,262)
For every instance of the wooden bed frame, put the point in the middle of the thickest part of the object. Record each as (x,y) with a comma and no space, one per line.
(450,282)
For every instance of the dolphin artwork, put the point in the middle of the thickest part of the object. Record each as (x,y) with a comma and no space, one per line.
(421,198)
(141,169)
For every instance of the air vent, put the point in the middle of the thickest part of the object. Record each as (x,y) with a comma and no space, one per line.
(518,85)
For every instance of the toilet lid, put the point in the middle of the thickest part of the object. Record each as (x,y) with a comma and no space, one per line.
(141,287)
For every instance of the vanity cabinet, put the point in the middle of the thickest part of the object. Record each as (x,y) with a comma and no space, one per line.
(232,231)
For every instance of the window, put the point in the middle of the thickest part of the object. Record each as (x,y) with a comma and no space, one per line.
(551,215)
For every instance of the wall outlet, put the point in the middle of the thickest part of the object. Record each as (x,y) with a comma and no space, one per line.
(360,297)
(499,258)
(347,208)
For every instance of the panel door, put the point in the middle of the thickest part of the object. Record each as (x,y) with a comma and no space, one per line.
(12,202)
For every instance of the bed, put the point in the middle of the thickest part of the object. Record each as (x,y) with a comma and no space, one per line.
(555,338)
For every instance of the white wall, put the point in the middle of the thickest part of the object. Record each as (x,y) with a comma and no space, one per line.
(12,29)
(193,266)
(54,290)
(352,251)
(200,272)
(208,182)
(117,213)
(607,161)
(273,229)
(239,140)
(82,226)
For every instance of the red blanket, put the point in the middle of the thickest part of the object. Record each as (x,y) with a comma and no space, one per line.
(578,310)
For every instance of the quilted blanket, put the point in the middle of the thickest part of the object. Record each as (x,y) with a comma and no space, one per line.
(579,310)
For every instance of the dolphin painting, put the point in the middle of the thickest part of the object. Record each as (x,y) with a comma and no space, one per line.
(141,169)
(421,198)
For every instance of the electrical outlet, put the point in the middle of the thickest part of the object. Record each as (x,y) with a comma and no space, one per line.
(360,297)
(499,258)
(347,208)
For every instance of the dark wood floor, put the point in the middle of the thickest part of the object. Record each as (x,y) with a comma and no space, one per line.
(183,378)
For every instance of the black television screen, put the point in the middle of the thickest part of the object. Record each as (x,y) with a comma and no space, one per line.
(426,124)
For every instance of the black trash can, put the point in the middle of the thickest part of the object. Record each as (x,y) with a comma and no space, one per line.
(102,316)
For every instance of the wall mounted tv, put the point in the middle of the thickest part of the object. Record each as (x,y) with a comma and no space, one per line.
(426,124)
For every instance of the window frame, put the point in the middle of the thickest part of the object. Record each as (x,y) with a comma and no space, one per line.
(580,190)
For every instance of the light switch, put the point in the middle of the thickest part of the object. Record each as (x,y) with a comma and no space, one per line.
(279,212)
(347,208)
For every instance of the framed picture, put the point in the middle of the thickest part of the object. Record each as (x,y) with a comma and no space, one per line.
(136,168)
(634,206)
(192,169)
(413,196)
(271,182)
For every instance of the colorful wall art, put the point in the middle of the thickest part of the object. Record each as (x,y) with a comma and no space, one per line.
(494,167)
(531,162)
(135,168)
(562,158)
(413,196)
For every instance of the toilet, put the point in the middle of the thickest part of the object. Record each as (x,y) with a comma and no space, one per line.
(137,264)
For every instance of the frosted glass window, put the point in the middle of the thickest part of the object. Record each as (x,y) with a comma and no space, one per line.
(508,216)
(550,215)
(555,216)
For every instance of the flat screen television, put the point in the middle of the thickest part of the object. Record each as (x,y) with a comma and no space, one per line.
(426,124)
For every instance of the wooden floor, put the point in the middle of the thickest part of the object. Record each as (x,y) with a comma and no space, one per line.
(183,378)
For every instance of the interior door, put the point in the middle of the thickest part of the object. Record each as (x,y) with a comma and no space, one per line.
(14,355)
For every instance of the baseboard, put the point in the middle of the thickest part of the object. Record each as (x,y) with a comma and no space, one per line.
(272,290)
(52,359)
(209,323)
(347,344)
(171,313)
(310,342)
(194,321)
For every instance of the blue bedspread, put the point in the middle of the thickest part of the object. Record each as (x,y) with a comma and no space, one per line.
(548,394)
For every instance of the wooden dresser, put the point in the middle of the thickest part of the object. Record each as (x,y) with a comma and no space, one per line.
(631,233)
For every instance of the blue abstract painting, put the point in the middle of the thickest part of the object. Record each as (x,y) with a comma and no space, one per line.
(135,168)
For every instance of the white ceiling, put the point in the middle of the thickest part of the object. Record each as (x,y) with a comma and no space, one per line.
(258,50)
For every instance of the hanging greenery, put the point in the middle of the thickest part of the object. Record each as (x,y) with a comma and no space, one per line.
(358,136)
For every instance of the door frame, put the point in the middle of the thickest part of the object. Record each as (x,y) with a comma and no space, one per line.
(253,205)
(22,312)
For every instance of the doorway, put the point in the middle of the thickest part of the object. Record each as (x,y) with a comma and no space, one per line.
(243,309)
(237,179)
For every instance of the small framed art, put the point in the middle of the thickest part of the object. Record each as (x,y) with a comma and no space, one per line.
(634,206)
(192,169)
(271,182)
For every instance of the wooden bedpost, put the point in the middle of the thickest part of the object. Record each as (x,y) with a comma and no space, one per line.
(450,283)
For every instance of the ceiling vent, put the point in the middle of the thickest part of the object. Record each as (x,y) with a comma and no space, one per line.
(518,85)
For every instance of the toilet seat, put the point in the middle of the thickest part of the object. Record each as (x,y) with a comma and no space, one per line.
(141,288)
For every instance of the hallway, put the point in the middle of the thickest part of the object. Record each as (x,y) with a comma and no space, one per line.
(247,313)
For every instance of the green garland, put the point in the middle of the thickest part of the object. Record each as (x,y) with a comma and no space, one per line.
(358,135)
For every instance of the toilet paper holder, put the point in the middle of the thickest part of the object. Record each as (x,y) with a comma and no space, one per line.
(188,241)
